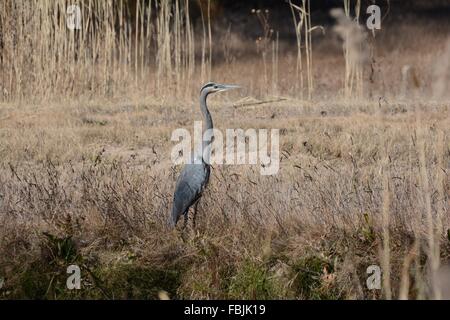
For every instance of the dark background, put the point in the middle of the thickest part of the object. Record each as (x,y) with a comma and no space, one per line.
(237,14)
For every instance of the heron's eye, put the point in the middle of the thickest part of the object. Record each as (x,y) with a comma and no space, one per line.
(215,87)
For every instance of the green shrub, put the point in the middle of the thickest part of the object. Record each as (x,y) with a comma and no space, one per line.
(252,281)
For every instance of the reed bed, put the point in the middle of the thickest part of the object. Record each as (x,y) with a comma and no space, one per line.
(86,177)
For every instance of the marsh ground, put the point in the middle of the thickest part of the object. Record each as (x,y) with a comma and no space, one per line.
(98,181)
(363,181)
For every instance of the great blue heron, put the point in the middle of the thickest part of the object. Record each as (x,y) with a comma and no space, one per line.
(195,175)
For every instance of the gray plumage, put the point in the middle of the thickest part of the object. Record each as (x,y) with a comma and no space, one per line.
(194,177)
(190,185)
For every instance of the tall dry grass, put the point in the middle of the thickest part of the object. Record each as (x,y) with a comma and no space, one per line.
(303,30)
(152,49)
(99,182)
(360,183)
(156,49)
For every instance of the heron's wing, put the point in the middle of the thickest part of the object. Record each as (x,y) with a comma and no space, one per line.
(189,186)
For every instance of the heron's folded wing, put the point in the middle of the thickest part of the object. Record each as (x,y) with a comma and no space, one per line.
(188,188)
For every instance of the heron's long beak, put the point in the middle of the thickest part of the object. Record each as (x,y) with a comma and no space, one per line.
(225,87)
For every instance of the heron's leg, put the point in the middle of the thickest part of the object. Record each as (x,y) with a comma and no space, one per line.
(195,214)
(186,218)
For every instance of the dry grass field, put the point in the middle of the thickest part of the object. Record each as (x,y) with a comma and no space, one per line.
(86,176)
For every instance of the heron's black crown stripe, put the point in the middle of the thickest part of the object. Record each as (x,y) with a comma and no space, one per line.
(209,84)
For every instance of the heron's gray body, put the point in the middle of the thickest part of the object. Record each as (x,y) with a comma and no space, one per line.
(190,185)
(195,176)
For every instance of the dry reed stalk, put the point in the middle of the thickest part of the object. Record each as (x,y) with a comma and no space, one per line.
(298,25)
(309,55)
(385,225)
(177,43)
(304,25)
(275,64)
(136,42)
(205,73)
(385,218)
(190,54)
(209,39)
(426,193)
(440,207)
(163,59)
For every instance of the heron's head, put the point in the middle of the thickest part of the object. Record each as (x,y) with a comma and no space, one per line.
(212,87)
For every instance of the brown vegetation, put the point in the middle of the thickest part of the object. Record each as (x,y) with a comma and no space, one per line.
(86,177)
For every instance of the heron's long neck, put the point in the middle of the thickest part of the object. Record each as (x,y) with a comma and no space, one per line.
(208,125)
